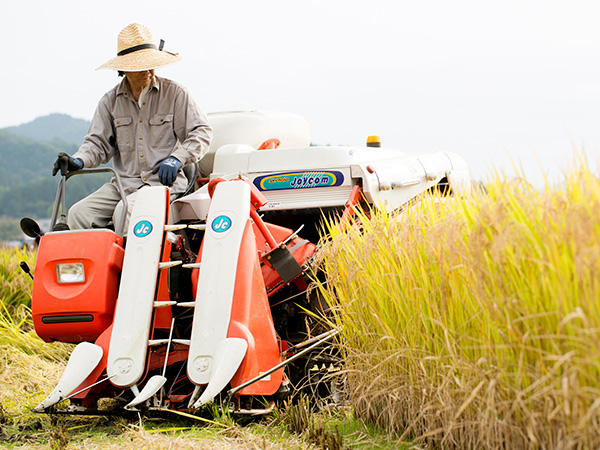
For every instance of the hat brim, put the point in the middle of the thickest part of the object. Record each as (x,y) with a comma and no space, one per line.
(141,60)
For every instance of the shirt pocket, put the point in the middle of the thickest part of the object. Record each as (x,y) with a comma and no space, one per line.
(161,132)
(124,132)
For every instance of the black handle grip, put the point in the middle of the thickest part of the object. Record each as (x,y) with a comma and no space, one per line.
(64,165)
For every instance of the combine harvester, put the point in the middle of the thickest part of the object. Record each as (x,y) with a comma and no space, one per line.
(206,299)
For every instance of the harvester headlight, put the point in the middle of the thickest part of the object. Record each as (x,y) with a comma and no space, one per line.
(70,273)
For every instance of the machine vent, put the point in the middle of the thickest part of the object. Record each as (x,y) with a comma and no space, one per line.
(307,198)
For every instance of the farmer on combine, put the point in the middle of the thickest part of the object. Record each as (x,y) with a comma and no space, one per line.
(149,126)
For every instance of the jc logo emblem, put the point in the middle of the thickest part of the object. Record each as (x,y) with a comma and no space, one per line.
(142,229)
(221,224)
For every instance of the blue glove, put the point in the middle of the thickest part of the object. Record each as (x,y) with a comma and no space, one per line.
(167,170)
(66,162)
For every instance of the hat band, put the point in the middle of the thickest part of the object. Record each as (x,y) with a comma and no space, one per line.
(136,48)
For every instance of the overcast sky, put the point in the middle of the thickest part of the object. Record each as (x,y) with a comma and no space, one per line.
(491,81)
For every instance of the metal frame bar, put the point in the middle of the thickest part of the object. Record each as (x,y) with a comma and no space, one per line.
(61,195)
(327,336)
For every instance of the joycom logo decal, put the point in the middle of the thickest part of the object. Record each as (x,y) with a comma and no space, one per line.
(142,229)
(221,224)
(299,180)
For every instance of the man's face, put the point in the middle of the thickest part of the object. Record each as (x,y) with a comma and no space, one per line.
(140,79)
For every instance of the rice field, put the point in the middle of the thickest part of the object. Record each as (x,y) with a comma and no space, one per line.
(475,322)
(28,366)
(15,285)
(466,323)
(30,369)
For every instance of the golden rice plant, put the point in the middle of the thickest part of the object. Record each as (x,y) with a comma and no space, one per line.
(475,322)
(15,285)
(29,367)
(16,327)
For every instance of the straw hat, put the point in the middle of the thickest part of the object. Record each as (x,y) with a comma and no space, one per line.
(136,51)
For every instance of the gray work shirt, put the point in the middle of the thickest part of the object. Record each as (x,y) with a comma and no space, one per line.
(137,137)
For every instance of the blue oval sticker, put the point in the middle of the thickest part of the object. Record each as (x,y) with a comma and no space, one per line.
(221,224)
(142,229)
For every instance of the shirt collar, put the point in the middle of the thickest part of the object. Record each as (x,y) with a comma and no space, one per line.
(154,84)
(124,85)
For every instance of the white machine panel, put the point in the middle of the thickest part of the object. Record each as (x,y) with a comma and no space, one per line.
(227,218)
(135,301)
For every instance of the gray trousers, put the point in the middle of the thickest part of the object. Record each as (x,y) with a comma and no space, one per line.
(99,208)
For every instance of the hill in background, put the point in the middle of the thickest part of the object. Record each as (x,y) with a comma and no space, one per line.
(53,127)
(28,152)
